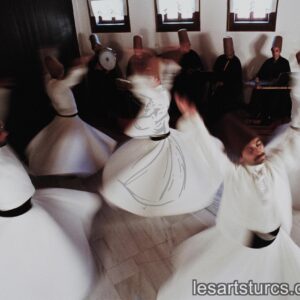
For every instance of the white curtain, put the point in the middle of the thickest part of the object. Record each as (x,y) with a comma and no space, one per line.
(108,9)
(173,7)
(259,7)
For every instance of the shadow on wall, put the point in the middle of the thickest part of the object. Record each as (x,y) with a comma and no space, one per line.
(146,41)
(207,51)
(252,67)
(164,42)
(84,44)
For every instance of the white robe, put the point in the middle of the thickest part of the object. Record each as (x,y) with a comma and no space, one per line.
(67,145)
(158,178)
(71,209)
(280,135)
(254,199)
(38,259)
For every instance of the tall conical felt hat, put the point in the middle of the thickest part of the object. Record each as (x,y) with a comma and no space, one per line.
(234,135)
(277,42)
(228,46)
(298,57)
(183,37)
(138,42)
(15,185)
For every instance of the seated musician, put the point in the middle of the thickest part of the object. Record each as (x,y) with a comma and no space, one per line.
(272,104)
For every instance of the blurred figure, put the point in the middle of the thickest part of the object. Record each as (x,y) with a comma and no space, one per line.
(273,104)
(189,61)
(36,255)
(139,60)
(67,145)
(251,240)
(157,173)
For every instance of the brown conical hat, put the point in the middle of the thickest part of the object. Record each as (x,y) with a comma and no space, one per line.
(183,37)
(54,67)
(235,136)
(138,42)
(228,46)
(298,57)
(277,42)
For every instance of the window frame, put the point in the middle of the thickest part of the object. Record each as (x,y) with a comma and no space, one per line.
(232,25)
(190,24)
(109,26)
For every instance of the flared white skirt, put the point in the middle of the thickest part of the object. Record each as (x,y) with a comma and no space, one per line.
(213,258)
(68,146)
(158,178)
(39,261)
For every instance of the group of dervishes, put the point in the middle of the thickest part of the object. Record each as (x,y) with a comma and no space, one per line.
(44,236)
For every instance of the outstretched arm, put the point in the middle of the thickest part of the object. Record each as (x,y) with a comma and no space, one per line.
(287,146)
(206,146)
(59,89)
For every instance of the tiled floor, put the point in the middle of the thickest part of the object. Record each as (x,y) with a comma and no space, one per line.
(134,253)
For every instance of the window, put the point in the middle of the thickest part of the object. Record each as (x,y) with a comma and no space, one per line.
(109,15)
(252,15)
(172,15)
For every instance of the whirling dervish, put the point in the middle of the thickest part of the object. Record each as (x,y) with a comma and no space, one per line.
(249,252)
(38,259)
(156,173)
(278,136)
(67,145)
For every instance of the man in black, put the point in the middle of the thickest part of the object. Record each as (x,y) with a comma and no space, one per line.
(189,59)
(273,104)
(227,92)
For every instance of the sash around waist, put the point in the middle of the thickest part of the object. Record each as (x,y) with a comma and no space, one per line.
(18,211)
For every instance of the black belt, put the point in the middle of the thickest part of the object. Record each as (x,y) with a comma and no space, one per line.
(66,116)
(18,211)
(3,144)
(160,137)
(258,241)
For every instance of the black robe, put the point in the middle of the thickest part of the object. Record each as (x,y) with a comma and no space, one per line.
(191,61)
(227,92)
(272,104)
(107,104)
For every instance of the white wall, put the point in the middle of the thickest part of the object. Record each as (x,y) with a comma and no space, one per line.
(251,47)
